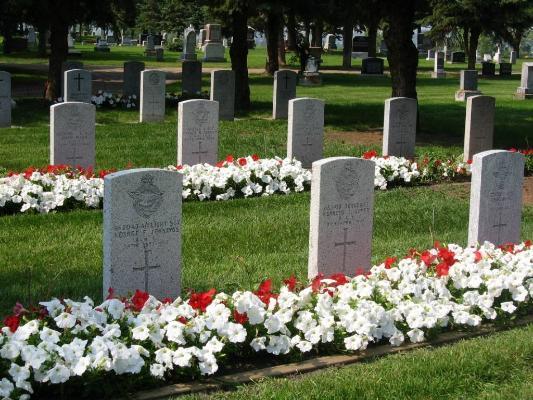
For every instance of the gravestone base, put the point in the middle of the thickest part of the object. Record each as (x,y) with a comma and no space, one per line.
(214,52)
(438,75)
(462,95)
(310,79)
(524,94)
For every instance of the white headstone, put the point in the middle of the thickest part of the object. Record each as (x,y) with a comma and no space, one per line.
(70,41)
(189,44)
(5,99)
(32,39)
(525,90)
(305,140)
(197,132)
(479,125)
(496,197)
(342,206)
(223,91)
(142,232)
(284,90)
(78,85)
(72,134)
(438,67)
(152,96)
(399,129)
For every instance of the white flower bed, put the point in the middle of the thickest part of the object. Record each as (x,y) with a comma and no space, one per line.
(244,177)
(442,288)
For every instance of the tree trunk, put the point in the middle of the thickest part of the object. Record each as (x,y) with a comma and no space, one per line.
(402,53)
(515,44)
(281,49)
(291,31)
(272,39)
(7,33)
(372,38)
(58,54)
(347,32)
(318,29)
(238,52)
(472,47)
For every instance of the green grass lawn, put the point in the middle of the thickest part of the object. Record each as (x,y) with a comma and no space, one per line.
(489,368)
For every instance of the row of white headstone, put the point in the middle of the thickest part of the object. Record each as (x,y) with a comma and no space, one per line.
(142,219)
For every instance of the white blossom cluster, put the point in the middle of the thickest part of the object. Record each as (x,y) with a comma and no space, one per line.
(244,177)
(396,302)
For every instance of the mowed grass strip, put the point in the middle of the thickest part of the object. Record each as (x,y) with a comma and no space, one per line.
(226,245)
(494,367)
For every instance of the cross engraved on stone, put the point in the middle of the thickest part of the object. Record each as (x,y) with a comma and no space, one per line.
(307,142)
(200,152)
(286,78)
(499,225)
(344,244)
(79,78)
(147,267)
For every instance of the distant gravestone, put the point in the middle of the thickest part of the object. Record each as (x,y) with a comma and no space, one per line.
(431,55)
(506,69)
(189,44)
(512,57)
(72,134)
(66,66)
(306,130)
(372,66)
(191,77)
(142,232)
(197,132)
(525,90)
(132,78)
(150,42)
(32,39)
(457,57)
(399,129)
(496,197)
(5,99)
(284,90)
(202,34)
(342,205)
(152,96)
(479,125)
(223,91)
(438,67)
(467,85)
(78,85)
(488,68)
(213,47)
(331,42)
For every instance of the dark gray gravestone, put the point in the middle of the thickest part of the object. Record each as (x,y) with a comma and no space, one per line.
(372,66)
(191,77)
(488,69)
(506,69)
(132,78)
(5,99)
(284,90)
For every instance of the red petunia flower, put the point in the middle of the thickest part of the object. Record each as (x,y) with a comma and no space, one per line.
(427,258)
(291,283)
(389,261)
(200,301)
(229,158)
(442,269)
(367,155)
(139,299)
(478,256)
(340,279)
(255,157)
(264,292)
(242,162)
(12,322)
(240,318)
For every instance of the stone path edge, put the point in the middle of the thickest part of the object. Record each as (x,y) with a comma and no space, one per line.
(313,364)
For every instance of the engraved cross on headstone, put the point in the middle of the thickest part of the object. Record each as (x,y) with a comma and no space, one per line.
(79,78)
(307,142)
(499,225)
(345,243)
(147,267)
(200,152)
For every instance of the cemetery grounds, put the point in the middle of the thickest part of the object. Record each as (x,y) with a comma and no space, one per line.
(239,243)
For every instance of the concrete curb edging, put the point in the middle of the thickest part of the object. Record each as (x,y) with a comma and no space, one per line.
(313,364)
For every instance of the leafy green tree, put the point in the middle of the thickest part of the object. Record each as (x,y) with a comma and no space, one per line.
(516,20)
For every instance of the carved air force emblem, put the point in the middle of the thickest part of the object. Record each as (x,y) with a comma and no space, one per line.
(147,198)
(201,114)
(347,181)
